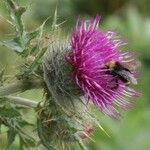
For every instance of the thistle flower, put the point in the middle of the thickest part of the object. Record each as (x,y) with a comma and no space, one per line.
(100,69)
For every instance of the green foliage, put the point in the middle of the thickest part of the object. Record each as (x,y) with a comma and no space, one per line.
(131,133)
(60,122)
(16,13)
(20,43)
(1,76)
(57,126)
(11,117)
(8,112)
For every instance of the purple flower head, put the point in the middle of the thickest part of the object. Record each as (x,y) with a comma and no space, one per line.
(100,69)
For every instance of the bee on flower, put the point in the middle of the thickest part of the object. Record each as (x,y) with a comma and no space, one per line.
(100,69)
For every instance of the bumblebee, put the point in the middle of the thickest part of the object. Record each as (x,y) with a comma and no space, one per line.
(119,72)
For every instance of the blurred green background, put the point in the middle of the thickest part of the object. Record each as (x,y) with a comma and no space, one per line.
(131,18)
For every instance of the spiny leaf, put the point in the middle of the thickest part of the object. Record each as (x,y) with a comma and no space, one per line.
(11,118)
(11,134)
(17,125)
(23,123)
(22,40)
(26,140)
(37,58)
(28,36)
(20,44)
(16,15)
(14,44)
(44,137)
(40,29)
(8,112)
(34,34)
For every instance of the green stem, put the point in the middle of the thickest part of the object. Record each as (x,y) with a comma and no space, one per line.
(20,86)
(22,101)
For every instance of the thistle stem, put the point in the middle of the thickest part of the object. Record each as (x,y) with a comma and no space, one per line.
(20,86)
(22,101)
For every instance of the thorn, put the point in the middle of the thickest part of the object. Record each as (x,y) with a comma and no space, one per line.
(103,130)
(54,23)
(61,23)
(89,137)
(8,21)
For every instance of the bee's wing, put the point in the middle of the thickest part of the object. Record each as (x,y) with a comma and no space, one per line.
(127,76)
(133,80)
